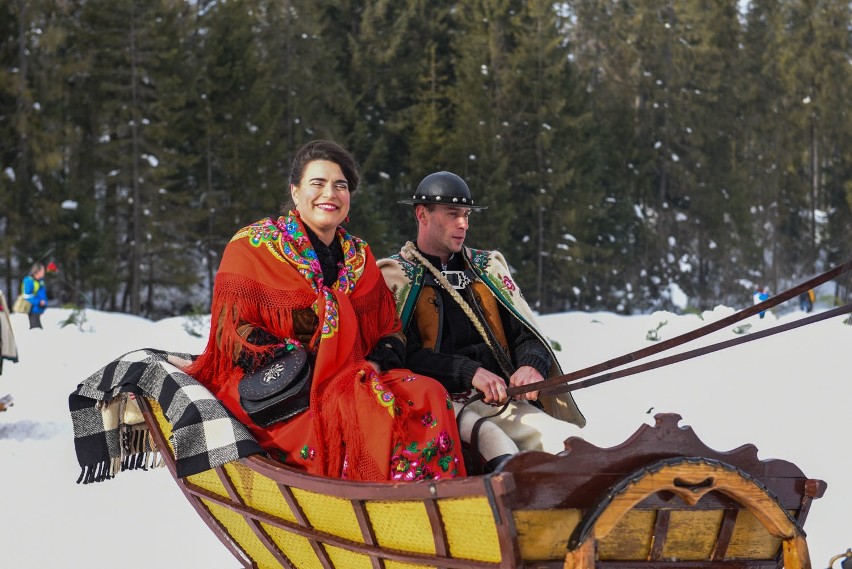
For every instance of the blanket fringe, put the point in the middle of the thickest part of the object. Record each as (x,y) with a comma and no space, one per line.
(97,472)
(138,449)
(138,452)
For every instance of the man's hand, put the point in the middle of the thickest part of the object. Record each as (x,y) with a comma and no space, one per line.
(525,375)
(492,386)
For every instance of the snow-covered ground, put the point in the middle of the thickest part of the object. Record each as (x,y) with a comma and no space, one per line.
(790,395)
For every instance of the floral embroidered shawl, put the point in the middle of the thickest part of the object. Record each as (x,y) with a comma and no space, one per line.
(269,269)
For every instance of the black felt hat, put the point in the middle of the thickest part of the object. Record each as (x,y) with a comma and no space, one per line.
(443,188)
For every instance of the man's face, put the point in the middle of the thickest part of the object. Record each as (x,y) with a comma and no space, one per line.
(442,230)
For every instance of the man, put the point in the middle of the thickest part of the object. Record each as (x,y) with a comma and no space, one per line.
(468,326)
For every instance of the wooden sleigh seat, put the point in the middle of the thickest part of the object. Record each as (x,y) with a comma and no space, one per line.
(662,498)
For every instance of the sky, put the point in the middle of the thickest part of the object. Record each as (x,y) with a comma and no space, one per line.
(790,395)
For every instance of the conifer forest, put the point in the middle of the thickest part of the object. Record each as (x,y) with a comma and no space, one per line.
(623,146)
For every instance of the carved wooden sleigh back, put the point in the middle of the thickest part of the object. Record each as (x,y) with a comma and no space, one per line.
(661,499)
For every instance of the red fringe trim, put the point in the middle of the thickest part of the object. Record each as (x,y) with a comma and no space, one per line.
(238,300)
(376,317)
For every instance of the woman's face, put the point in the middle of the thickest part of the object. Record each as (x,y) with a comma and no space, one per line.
(322,198)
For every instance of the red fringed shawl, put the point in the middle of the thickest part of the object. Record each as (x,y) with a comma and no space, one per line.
(268,270)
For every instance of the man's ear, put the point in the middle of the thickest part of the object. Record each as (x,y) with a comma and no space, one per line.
(420,212)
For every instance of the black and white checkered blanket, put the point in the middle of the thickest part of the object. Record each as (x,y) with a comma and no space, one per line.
(110,434)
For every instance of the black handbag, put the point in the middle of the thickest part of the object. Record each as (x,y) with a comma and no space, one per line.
(278,390)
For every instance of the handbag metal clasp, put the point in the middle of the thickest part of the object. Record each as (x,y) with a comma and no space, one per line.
(272,373)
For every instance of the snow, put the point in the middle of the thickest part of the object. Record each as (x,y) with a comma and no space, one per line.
(788,394)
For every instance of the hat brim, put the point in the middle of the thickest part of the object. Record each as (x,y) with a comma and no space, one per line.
(435,202)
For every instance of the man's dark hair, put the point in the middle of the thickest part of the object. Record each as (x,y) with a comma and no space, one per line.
(430,207)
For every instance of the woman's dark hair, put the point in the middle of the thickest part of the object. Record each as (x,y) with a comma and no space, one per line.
(37,266)
(325,150)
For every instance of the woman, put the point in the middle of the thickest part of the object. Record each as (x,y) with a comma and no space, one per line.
(303,279)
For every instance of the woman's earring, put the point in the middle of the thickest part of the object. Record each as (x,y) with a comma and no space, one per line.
(346,219)
(296,212)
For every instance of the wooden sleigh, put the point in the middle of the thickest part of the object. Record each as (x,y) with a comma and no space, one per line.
(660,499)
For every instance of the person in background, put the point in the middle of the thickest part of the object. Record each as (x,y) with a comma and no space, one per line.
(8,346)
(301,278)
(34,291)
(760,294)
(806,300)
(468,326)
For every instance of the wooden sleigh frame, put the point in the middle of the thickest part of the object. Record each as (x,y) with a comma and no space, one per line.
(660,499)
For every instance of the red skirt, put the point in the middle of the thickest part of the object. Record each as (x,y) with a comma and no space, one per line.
(427,447)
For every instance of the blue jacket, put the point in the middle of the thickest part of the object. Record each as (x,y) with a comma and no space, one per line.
(35,292)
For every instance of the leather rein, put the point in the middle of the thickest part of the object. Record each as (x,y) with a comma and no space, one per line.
(571,381)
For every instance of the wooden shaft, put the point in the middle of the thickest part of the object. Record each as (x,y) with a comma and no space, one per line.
(690,354)
(573,376)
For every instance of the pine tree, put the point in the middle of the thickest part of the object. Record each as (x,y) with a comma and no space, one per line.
(399,61)
(816,76)
(703,118)
(545,102)
(32,151)
(830,168)
(804,88)
(11,221)
(231,129)
(501,123)
(620,255)
(130,97)
(767,134)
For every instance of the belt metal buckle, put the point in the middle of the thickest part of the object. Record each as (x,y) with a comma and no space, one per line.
(457,279)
